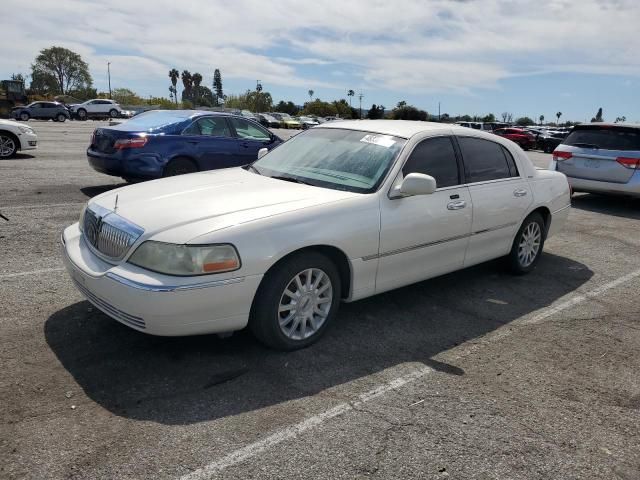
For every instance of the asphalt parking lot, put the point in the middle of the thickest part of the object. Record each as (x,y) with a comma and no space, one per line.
(474,375)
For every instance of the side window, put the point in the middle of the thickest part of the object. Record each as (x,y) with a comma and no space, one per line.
(483,160)
(513,169)
(209,126)
(246,129)
(435,157)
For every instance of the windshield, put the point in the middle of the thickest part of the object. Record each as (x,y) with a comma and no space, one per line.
(349,160)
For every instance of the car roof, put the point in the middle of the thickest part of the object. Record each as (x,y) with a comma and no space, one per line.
(608,125)
(397,128)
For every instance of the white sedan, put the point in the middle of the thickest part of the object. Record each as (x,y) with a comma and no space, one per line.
(343,211)
(15,136)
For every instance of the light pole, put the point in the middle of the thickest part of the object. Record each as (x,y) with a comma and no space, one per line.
(360,97)
(109,77)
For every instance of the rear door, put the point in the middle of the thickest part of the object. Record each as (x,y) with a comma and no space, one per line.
(251,137)
(210,141)
(600,153)
(500,197)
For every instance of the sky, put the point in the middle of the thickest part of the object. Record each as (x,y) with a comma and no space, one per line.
(525,57)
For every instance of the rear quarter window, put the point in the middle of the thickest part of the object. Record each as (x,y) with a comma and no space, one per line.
(605,138)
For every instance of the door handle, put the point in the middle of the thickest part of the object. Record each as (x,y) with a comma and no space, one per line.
(519,193)
(456,205)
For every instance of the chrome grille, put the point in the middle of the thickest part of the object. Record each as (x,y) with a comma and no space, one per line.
(108,233)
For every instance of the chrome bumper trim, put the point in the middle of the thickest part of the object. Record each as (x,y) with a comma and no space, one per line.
(171,288)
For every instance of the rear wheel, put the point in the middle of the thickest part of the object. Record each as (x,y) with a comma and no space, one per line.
(528,244)
(113,113)
(8,145)
(82,114)
(296,302)
(179,166)
(61,117)
(24,116)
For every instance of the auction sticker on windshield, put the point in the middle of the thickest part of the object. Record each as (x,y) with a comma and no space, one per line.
(382,140)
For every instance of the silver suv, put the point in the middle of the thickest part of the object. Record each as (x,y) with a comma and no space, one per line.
(601,158)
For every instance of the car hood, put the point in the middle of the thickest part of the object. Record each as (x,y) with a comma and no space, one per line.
(179,209)
(11,123)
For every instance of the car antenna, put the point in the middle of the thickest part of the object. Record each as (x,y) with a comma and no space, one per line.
(115,206)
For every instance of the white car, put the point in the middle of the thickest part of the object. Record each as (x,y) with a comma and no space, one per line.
(16,136)
(343,211)
(99,107)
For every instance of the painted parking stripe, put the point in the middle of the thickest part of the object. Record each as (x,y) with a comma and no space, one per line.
(31,272)
(293,431)
(45,205)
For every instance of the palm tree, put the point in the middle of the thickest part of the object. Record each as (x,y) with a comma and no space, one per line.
(558,115)
(310,95)
(174,75)
(350,93)
(187,82)
(541,119)
(197,80)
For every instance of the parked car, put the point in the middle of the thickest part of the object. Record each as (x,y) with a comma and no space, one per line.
(268,121)
(601,158)
(286,120)
(162,143)
(548,141)
(523,138)
(41,111)
(97,108)
(342,211)
(14,137)
(248,114)
(307,122)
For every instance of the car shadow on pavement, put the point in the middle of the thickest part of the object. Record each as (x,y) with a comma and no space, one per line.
(627,207)
(98,189)
(186,380)
(20,156)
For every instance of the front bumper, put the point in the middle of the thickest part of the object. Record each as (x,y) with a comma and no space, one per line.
(158,304)
(28,141)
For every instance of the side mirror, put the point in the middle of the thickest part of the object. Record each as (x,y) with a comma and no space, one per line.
(262,152)
(417,184)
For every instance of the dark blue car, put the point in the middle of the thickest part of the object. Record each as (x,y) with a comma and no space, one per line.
(163,143)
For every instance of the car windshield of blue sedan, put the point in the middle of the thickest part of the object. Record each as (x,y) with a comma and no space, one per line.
(348,160)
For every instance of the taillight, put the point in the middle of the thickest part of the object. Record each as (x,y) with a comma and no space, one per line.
(632,163)
(123,143)
(560,156)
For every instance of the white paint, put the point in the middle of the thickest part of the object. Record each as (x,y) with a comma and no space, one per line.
(294,431)
(32,272)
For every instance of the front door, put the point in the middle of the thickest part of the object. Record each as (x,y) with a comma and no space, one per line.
(500,197)
(251,138)
(424,236)
(211,142)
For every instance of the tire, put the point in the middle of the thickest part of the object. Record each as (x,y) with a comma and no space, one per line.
(522,258)
(269,324)
(82,114)
(24,116)
(113,113)
(61,117)
(8,145)
(179,166)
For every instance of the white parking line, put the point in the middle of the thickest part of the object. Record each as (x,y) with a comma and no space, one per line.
(31,272)
(44,205)
(255,448)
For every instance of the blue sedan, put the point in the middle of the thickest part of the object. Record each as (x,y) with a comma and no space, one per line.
(163,143)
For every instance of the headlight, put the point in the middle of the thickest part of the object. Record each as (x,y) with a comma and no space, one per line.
(186,260)
(25,129)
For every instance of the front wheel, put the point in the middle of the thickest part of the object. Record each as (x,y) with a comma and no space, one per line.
(296,302)
(113,113)
(24,116)
(8,145)
(527,246)
(61,117)
(82,114)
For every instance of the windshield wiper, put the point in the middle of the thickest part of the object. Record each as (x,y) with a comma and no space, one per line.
(251,167)
(290,179)
(585,145)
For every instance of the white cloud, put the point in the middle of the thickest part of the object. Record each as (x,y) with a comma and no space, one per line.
(408,46)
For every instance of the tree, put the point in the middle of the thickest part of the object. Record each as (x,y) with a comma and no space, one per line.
(375,112)
(174,75)
(320,108)
(344,109)
(125,96)
(598,117)
(58,70)
(217,85)
(541,118)
(408,112)
(558,115)
(621,119)
(251,100)
(524,121)
(196,78)
(488,118)
(286,107)
(505,116)
(350,93)
(187,83)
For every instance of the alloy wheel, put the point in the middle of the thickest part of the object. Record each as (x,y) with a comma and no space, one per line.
(529,245)
(305,304)
(7,146)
